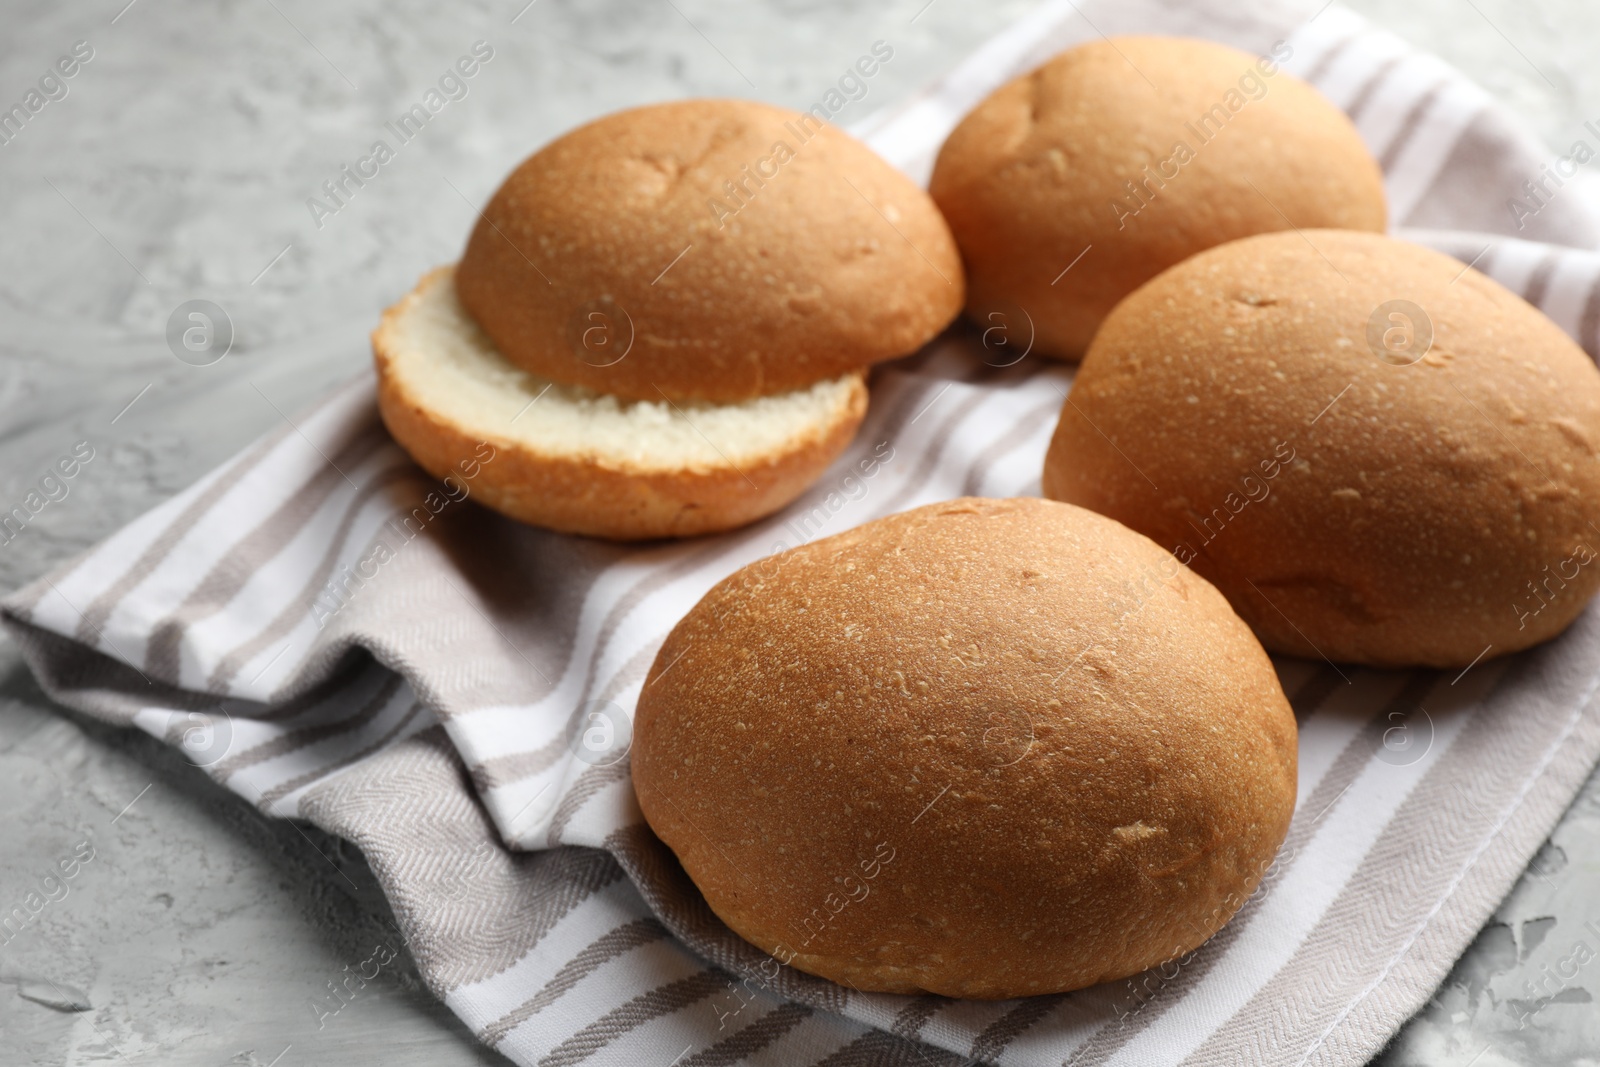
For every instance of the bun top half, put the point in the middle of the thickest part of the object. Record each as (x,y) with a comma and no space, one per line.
(709,250)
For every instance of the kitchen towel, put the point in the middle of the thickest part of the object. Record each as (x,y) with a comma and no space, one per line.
(339,638)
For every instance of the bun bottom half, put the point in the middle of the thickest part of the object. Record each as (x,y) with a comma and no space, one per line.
(580,461)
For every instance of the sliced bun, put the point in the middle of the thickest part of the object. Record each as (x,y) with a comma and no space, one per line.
(1267,411)
(583,462)
(985,748)
(730,249)
(1234,146)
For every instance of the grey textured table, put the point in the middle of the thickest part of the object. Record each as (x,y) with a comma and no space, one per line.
(177,167)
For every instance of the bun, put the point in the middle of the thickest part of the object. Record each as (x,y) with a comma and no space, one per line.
(984,748)
(575,460)
(743,250)
(1425,503)
(1142,151)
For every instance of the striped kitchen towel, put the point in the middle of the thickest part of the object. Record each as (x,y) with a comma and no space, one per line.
(339,638)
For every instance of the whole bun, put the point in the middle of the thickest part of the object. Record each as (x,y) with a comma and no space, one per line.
(1377,455)
(1137,152)
(708,250)
(984,748)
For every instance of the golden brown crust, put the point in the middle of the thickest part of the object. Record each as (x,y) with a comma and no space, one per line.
(985,748)
(832,262)
(1393,514)
(600,499)
(1028,180)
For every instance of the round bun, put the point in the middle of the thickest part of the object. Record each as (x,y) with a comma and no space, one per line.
(1054,165)
(985,748)
(1378,456)
(571,459)
(710,250)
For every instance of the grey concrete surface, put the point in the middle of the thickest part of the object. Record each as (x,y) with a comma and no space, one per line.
(177,167)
